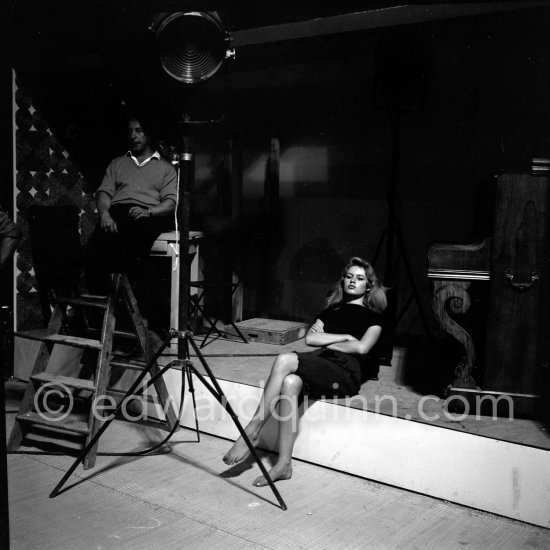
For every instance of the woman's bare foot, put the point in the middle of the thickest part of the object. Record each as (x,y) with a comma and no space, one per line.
(279,471)
(239,450)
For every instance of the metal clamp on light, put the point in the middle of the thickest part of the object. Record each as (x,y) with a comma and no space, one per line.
(192,46)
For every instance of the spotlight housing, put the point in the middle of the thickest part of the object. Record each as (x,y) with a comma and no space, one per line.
(191,45)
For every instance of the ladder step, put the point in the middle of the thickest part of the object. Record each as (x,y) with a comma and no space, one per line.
(68,424)
(86,296)
(119,393)
(120,333)
(130,364)
(45,335)
(74,341)
(84,301)
(76,383)
(73,417)
(125,334)
(35,334)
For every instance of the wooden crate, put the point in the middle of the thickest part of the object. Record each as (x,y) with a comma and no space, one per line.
(270,331)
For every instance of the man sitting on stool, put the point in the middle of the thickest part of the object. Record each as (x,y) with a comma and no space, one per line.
(136,203)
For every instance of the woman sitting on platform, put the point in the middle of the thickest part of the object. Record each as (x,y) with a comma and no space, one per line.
(346,334)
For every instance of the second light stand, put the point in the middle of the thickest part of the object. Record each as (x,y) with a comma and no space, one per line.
(393,235)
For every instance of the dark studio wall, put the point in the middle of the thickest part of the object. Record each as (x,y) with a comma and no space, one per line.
(475,94)
(485,109)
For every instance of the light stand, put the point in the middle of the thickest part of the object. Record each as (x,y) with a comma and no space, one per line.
(193,60)
(402,64)
(185,339)
(392,236)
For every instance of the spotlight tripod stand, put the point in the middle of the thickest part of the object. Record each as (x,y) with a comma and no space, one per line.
(187,367)
(393,235)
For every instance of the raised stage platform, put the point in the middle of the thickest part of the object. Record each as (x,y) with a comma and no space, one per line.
(250,364)
(392,433)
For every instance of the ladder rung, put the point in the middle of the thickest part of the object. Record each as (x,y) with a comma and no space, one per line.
(119,393)
(76,383)
(74,341)
(44,335)
(95,301)
(79,420)
(93,297)
(120,333)
(68,424)
(35,334)
(130,365)
(124,334)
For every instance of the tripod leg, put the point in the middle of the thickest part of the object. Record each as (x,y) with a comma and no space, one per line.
(212,328)
(241,335)
(381,240)
(132,391)
(217,392)
(416,294)
(192,392)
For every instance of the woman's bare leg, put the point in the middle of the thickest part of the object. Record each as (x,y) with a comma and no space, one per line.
(285,364)
(288,429)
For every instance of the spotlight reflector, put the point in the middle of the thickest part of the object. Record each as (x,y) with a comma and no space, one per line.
(192,45)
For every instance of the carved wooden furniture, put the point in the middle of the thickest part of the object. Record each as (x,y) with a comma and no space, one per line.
(452,268)
(515,263)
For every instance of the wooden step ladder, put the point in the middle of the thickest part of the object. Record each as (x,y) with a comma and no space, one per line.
(84,423)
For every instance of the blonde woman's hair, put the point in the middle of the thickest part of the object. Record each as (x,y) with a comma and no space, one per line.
(375,298)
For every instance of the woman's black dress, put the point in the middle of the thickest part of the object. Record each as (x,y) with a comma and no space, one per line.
(328,373)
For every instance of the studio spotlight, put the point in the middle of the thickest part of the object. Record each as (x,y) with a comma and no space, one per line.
(192,46)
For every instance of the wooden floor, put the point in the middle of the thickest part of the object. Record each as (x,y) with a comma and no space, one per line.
(187,498)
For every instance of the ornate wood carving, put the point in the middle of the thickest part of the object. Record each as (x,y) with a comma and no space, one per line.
(452,268)
(453,297)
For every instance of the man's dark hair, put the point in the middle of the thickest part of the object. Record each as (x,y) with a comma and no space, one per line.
(148,123)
